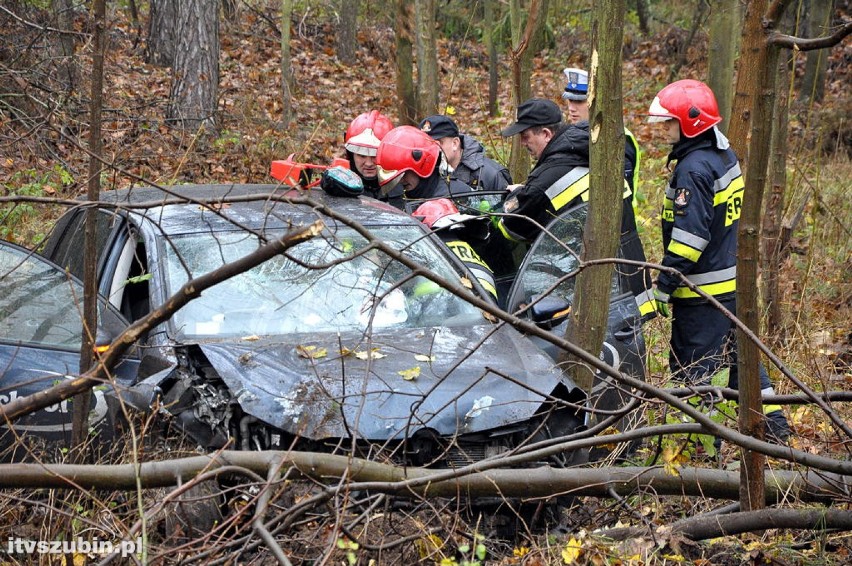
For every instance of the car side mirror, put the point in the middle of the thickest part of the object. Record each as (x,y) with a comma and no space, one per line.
(549,312)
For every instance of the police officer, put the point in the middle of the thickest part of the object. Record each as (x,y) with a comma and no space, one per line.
(361,142)
(576,93)
(700,215)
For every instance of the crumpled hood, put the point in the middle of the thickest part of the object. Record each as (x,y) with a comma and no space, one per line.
(311,389)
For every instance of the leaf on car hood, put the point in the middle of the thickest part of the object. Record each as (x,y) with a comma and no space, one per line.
(311,352)
(424,358)
(252,338)
(410,374)
(373,354)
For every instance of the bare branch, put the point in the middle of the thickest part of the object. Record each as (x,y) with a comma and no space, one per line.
(800,44)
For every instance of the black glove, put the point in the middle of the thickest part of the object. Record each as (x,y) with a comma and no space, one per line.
(341,182)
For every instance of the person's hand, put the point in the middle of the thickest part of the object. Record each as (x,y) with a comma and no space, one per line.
(661,302)
(514,187)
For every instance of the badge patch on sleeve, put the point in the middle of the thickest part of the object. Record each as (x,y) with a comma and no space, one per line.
(681,198)
(510,205)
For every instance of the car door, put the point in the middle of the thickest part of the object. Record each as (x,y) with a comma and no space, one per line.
(548,264)
(41,332)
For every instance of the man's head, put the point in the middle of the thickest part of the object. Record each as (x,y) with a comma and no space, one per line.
(538,121)
(406,155)
(576,93)
(688,103)
(443,130)
(362,139)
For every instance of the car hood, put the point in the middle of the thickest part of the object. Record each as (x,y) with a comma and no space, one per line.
(390,385)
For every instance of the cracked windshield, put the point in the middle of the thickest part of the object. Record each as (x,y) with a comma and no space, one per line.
(327,284)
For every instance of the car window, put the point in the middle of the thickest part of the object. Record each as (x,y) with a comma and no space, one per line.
(330,283)
(552,258)
(68,252)
(40,305)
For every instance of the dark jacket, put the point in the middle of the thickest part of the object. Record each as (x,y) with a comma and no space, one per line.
(568,150)
(372,189)
(480,172)
(701,212)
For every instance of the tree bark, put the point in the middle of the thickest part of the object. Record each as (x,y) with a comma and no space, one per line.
(347,31)
(724,39)
(601,234)
(643,13)
(493,63)
(287,80)
(404,59)
(819,22)
(162,33)
(195,76)
(428,81)
(63,12)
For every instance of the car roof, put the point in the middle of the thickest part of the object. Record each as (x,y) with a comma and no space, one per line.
(263,212)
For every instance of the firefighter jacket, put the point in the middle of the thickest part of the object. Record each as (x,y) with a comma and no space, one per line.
(465,252)
(561,170)
(700,214)
(478,171)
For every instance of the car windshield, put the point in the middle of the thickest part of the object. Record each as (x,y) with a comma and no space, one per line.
(327,284)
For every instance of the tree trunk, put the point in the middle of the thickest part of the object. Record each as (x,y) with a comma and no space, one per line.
(771,254)
(756,83)
(724,36)
(195,75)
(819,21)
(428,81)
(404,81)
(493,63)
(643,13)
(162,33)
(697,21)
(523,45)
(347,36)
(82,401)
(287,81)
(601,234)
(63,12)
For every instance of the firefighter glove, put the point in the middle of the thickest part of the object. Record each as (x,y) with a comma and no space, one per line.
(661,302)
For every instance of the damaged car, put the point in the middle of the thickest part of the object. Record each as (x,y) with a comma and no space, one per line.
(333,345)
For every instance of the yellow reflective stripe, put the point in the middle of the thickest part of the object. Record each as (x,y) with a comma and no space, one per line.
(646,308)
(488,286)
(714,289)
(771,409)
(508,234)
(668,210)
(683,250)
(577,185)
(732,197)
(466,253)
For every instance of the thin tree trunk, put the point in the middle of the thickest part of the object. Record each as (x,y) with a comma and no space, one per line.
(63,11)
(493,62)
(347,29)
(427,58)
(287,81)
(697,20)
(819,21)
(724,36)
(404,81)
(643,13)
(82,401)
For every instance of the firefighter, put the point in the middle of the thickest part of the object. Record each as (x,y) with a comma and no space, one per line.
(361,142)
(700,215)
(455,230)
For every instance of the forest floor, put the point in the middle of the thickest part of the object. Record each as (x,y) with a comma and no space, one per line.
(46,157)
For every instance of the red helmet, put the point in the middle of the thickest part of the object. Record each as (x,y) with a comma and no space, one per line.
(406,148)
(433,210)
(365,132)
(688,101)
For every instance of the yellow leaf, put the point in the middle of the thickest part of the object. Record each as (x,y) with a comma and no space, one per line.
(424,358)
(429,545)
(572,551)
(670,461)
(450,110)
(311,352)
(520,552)
(373,354)
(80,559)
(410,374)
(466,283)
